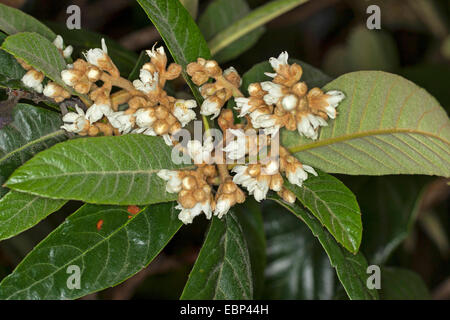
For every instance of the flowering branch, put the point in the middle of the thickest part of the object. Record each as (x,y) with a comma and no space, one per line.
(283,102)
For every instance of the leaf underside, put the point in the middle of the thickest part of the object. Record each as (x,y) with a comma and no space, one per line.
(386,125)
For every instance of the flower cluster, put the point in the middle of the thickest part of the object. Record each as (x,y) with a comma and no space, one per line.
(143,106)
(217,92)
(34,79)
(149,111)
(286,102)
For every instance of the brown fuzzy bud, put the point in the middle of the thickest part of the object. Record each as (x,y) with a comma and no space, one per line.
(173,71)
(212,68)
(174,128)
(233,77)
(161,127)
(137,102)
(287,195)
(300,89)
(93,131)
(254,170)
(104,128)
(200,195)
(189,183)
(161,112)
(186,200)
(83,87)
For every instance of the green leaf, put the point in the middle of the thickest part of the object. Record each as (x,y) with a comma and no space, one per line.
(13,21)
(83,40)
(39,53)
(334,205)
(11,72)
(32,130)
(402,284)
(351,269)
(298,268)
(250,219)
(179,32)
(386,125)
(222,270)
(21,211)
(250,22)
(218,16)
(389,205)
(106,257)
(103,170)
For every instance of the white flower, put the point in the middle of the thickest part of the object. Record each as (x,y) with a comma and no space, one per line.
(266,121)
(144,118)
(33,79)
(277,62)
(335,97)
(121,121)
(155,52)
(182,111)
(300,174)
(148,82)
(236,149)
(242,104)
(210,107)
(97,111)
(222,207)
(289,102)
(188,215)
(173,180)
(198,153)
(309,124)
(274,92)
(258,188)
(271,131)
(75,122)
(93,56)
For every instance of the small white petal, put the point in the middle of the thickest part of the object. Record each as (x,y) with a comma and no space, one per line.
(58,42)
(309,169)
(67,52)
(167,139)
(222,207)
(209,108)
